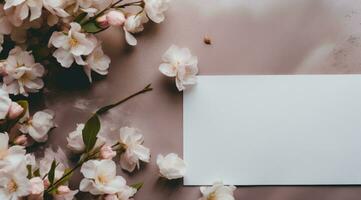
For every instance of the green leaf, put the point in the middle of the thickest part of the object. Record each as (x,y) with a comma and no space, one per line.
(92,27)
(137,185)
(80,17)
(25,105)
(90,132)
(51,173)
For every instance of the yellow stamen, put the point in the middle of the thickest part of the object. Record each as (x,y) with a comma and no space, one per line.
(73,42)
(212,196)
(12,186)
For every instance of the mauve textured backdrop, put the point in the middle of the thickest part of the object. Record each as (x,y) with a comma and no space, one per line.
(248,37)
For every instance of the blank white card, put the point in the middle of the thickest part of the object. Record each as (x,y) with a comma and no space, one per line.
(273,130)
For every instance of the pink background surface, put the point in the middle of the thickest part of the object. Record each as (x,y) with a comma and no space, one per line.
(269,37)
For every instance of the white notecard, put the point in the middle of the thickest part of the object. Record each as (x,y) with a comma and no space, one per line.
(273,130)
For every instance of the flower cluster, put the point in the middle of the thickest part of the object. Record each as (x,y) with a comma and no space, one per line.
(37,34)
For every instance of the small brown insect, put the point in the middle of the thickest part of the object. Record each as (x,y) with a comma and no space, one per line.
(207,40)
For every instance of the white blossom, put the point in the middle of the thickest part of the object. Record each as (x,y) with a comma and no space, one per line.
(179,63)
(5,103)
(5,24)
(100,177)
(57,7)
(132,141)
(92,6)
(14,184)
(97,61)
(39,125)
(64,193)
(37,186)
(75,140)
(171,166)
(134,24)
(217,192)
(126,194)
(10,157)
(72,46)
(23,7)
(155,9)
(23,74)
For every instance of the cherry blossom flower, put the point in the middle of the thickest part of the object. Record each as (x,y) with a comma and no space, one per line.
(134,24)
(75,140)
(171,166)
(126,194)
(14,184)
(5,104)
(10,157)
(100,178)
(39,125)
(132,141)
(98,62)
(64,193)
(179,63)
(23,74)
(72,46)
(155,9)
(217,192)
(15,110)
(92,6)
(23,7)
(37,186)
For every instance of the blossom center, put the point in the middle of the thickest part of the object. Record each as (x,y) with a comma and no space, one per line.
(12,186)
(102,179)
(73,42)
(212,196)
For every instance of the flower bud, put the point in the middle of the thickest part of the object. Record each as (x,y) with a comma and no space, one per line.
(46,183)
(63,189)
(106,152)
(102,21)
(21,140)
(115,18)
(15,110)
(37,186)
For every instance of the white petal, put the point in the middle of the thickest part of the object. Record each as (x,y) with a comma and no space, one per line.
(64,57)
(89,169)
(168,69)
(130,38)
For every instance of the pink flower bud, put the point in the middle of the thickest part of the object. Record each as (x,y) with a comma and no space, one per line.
(106,152)
(37,186)
(15,110)
(63,189)
(102,21)
(21,140)
(115,18)
(46,183)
